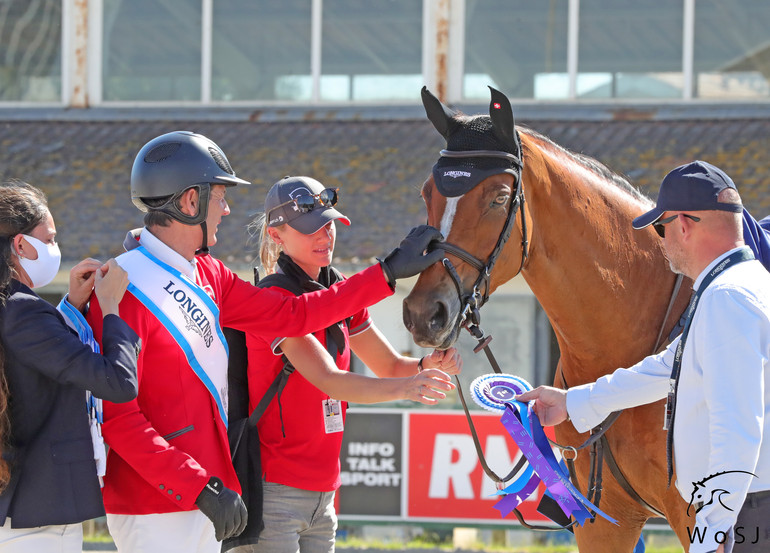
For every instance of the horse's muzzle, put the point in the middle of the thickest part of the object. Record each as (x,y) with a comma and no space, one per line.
(430,322)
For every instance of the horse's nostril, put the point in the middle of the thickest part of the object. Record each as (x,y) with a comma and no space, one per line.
(438,320)
(407,316)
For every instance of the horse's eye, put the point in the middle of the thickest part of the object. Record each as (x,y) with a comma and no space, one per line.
(502,199)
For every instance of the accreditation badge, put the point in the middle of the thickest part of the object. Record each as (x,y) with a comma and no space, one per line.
(332,410)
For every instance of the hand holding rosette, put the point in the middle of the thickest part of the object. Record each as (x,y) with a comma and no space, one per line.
(497,392)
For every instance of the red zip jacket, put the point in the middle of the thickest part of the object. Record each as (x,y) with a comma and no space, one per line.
(166,444)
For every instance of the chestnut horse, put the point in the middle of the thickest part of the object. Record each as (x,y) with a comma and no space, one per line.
(605,287)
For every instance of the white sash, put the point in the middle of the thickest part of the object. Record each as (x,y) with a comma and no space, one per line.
(187,312)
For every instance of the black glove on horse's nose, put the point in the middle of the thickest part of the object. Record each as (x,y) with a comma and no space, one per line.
(409,258)
(224,507)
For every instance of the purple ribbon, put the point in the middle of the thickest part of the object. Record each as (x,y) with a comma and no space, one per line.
(525,429)
(510,501)
(519,483)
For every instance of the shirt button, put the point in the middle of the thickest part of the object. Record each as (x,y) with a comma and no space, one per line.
(162,487)
(170,492)
(179,498)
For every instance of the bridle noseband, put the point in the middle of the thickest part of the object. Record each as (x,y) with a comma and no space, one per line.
(470,303)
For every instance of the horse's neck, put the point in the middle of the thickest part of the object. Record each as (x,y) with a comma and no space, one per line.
(603,286)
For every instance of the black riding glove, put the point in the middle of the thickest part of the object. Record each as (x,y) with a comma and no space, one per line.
(409,258)
(224,507)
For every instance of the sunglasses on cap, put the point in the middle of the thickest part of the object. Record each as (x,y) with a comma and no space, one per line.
(306,202)
(661,229)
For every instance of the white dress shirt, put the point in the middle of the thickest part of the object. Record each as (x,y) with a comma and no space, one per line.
(723,398)
(163,252)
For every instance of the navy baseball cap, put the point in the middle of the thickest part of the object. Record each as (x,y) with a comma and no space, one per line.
(281,209)
(694,186)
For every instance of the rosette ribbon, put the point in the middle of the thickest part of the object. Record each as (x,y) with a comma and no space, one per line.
(524,427)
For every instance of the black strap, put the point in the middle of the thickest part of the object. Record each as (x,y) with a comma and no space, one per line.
(739,256)
(281,280)
(492,474)
(296,281)
(275,388)
(544,507)
(623,481)
(671,302)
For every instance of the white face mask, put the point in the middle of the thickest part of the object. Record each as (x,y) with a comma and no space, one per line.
(42,270)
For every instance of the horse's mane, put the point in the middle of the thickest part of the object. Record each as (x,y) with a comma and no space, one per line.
(592,165)
(476,132)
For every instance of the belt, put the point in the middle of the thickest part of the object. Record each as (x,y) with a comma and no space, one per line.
(751,499)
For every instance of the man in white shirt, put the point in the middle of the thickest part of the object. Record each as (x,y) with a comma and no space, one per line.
(716,373)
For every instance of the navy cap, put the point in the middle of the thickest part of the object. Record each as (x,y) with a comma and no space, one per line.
(691,187)
(280,210)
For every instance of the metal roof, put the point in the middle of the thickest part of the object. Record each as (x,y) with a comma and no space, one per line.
(379,157)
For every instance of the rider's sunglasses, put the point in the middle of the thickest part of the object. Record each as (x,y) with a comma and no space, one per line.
(306,202)
(661,229)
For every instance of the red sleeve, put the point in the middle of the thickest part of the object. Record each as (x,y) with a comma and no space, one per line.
(263,311)
(359,322)
(130,434)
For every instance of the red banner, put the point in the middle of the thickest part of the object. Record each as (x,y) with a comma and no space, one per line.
(421,465)
(446,480)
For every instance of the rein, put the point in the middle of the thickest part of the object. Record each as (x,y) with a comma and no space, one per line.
(600,451)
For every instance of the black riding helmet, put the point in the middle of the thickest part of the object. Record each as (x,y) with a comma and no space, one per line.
(171,164)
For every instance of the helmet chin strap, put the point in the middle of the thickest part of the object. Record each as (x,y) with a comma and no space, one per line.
(204,249)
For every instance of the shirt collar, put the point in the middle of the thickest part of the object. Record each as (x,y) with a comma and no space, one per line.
(713,264)
(160,250)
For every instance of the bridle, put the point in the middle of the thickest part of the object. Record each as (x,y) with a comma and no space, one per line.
(471,302)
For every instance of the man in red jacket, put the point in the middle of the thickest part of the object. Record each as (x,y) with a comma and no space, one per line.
(170,485)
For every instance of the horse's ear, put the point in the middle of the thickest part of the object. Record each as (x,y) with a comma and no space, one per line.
(440,115)
(501,113)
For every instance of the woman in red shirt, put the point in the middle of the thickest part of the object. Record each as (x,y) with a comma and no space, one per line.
(301,429)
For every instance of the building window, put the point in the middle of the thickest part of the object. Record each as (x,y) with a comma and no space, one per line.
(348,51)
(30,51)
(261,50)
(517,46)
(371,50)
(630,49)
(151,50)
(732,49)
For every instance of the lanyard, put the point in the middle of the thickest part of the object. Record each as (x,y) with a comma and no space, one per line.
(744,254)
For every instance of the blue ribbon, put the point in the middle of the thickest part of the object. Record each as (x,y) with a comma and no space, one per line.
(524,427)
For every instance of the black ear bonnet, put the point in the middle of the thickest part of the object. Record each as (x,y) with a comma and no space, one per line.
(477,147)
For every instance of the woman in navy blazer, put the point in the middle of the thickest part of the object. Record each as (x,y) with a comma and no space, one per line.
(48,473)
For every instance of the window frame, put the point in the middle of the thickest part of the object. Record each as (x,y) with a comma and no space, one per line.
(442,60)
